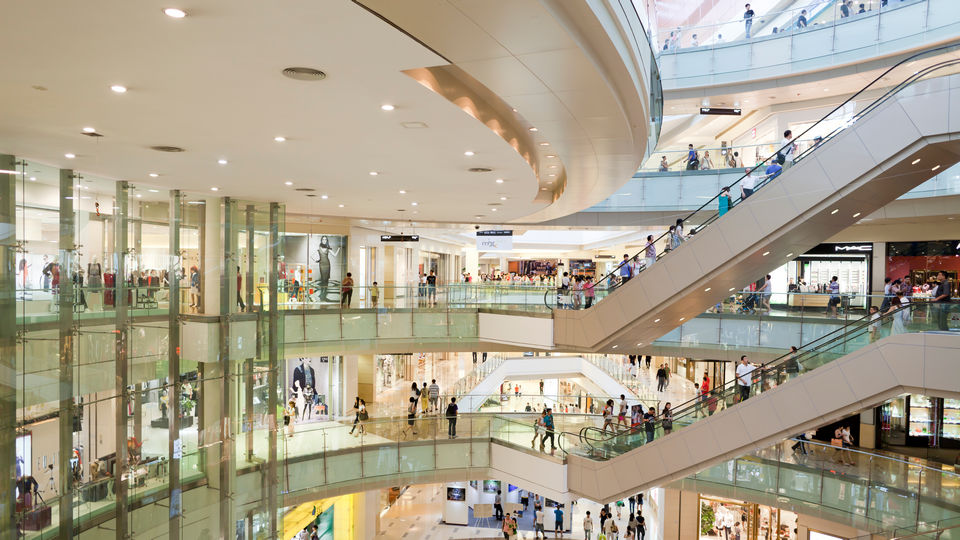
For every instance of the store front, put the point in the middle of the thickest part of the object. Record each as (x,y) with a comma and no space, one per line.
(730,518)
(529,267)
(921,261)
(812,272)
(919,421)
(315,385)
(583,267)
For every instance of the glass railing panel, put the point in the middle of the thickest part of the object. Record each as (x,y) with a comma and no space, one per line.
(358,325)
(721,473)
(343,467)
(757,474)
(380,459)
(800,483)
(464,324)
(430,323)
(480,454)
(417,458)
(395,323)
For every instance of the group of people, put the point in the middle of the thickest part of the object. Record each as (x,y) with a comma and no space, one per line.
(575,292)
(426,400)
(636,528)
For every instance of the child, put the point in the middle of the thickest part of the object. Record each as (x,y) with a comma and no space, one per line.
(375,294)
(875,322)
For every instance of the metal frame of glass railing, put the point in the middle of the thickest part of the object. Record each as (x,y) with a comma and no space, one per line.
(609,282)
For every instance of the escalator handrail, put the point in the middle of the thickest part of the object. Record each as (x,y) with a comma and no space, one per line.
(877,102)
(758,373)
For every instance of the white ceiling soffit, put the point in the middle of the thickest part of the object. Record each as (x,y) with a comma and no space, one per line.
(211,83)
(555,64)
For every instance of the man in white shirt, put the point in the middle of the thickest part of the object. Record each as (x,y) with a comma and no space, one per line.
(587,526)
(744,375)
(538,524)
(790,149)
(622,417)
(747,184)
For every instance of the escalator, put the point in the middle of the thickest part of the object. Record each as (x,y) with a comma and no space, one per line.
(890,146)
(850,370)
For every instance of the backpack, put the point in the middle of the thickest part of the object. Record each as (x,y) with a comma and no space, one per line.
(451,411)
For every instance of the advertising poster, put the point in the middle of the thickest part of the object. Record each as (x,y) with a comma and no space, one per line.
(456,494)
(491,486)
(315,266)
(306,385)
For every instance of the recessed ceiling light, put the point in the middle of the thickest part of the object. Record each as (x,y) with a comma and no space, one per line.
(374,173)
(789,255)
(914,162)
(139,195)
(69,155)
(857,214)
(324,197)
(707,289)
(33,178)
(682,318)
(732,288)
(499,180)
(280,138)
(765,253)
(935,168)
(214,189)
(387,107)
(551,175)
(551,155)
(119,88)
(414,203)
(89,129)
(154,190)
(153,175)
(639,344)
(544,189)
(544,144)
(289,183)
(340,205)
(175,13)
(656,320)
(615,346)
(468,153)
(222,161)
(494,209)
(835,210)
(534,129)
(503,198)
(403,192)
(553,166)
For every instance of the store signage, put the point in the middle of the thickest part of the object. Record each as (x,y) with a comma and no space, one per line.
(865,247)
(720,111)
(399,237)
(494,243)
(494,233)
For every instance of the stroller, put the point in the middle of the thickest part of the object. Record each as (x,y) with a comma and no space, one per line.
(749,304)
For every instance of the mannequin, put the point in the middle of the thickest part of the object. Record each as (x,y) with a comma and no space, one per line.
(22,270)
(47,272)
(304,375)
(95,285)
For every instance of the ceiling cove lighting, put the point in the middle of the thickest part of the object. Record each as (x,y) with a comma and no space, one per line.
(175,13)
(914,162)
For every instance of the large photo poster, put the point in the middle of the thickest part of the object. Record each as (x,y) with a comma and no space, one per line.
(315,266)
(306,385)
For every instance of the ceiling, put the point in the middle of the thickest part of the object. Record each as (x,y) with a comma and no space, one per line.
(211,83)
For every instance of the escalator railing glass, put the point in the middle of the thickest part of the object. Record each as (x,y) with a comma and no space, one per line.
(932,63)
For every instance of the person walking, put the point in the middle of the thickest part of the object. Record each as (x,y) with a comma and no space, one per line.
(622,413)
(608,416)
(239,291)
(558,522)
(692,159)
(833,303)
(356,418)
(548,428)
(650,252)
(666,419)
(587,526)
(802,20)
(452,418)
(346,290)
(498,506)
(411,418)
(537,426)
(538,529)
(661,378)
(650,423)
(941,297)
(424,399)
(744,376)
(434,392)
(748,20)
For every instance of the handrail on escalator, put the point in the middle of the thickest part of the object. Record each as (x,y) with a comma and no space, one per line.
(791,362)
(913,77)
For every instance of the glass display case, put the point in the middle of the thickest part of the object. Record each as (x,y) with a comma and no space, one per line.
(893,421)
(923,417)
(951,421)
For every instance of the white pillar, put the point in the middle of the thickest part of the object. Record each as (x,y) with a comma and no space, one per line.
(212,257)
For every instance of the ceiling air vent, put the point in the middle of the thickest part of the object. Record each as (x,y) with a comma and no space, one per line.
(163,148)
(304,74)
(479,169)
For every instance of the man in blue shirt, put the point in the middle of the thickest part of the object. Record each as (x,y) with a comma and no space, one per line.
(548,431)
(773,170)
(626,269)
(558,522)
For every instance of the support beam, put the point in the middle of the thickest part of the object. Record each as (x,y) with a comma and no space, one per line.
(121,349)
(64,294)
(8,343)
(174,443)
(273,321)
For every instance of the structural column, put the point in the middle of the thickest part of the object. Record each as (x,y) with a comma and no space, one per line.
(121,333)
(228,298)
(8,344)
(273,346)
(251,246)
(174,443)
(64,292)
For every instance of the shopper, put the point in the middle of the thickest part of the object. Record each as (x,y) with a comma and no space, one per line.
(434,392)
(537,426)
(650,423)
(723,201)
(941,297)
(289,413)
(452,418)
(356,418)
(641,526)
(693,159)
(498,506)
(622,414)
(346,290)
(625,269)
(694,42)
(666,419)
(650,252)
(424,399)
(608,416)
(587,526)
(588,292)
(766,292)
(787,149)
(558,522)
(661,378)
(431,288)
(802,20)
(664,166)
(706,163)
(747,183)
(548,431)
(375,294)
(538,523)
(874,323)
(744,376)
(411,418)
(748,20)
(610,528)
(239,290)
(834,302)
(772,171)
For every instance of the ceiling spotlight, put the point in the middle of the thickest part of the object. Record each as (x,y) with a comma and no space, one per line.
(468,153)
(374,173)
(139,195)
(33,178)
(387,107)
(279,138)
(414,203)
(288,183)
(857,214)
(544,144)
(494,209)
(222,161)
(324,197)
(214,189)
(403,192)
(765,253)
(639,344)
(553,166)
(551,175)
(119,88)
(154,190)
(499,180)
(935,168)
(534,129)
(544,189)
(914,162)
(656,320)
(89,130)
(503,198)
(69,155)
(153,175)
(835,210)
(175,13)
(707,289)
(551,155)
(340,205)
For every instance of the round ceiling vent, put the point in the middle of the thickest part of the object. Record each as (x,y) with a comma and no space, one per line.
(480,169)
(164,148)
(304,74)
(305,189)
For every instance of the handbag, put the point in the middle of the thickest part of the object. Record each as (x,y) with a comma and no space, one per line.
(364,416)
(836,442)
